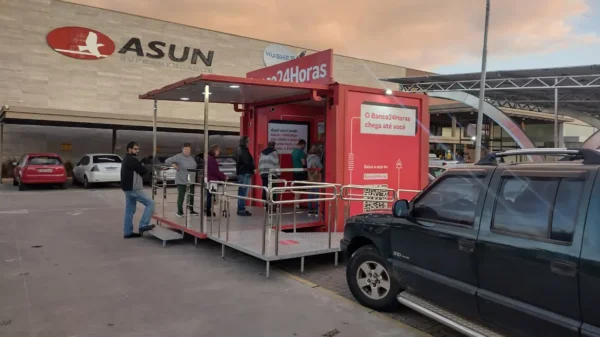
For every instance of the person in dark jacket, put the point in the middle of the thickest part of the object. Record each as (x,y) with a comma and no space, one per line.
(214,174)
(132,184)
(244,169)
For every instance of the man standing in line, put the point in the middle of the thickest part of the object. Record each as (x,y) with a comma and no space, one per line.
(268,160)
(133,186)
(244,169)
(182,162)
(299,162)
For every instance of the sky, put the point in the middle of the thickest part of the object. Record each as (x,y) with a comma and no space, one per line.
(442,36)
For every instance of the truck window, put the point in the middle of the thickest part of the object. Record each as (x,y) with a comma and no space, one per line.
(538,208)
(453,200)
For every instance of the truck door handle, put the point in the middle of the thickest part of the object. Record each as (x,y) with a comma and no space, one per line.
(563,268)
(466,245)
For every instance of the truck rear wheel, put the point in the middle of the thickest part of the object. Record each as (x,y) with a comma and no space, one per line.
(370,280)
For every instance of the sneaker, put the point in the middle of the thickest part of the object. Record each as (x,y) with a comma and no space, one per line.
(244,213)
(146,228)
(132,235)
(179,215)
(193,213)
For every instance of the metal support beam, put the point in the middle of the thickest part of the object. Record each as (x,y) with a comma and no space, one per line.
(478,135)
(453,125)
(556,116)
(505,84)
(113,148)
(154,117)
(205,169)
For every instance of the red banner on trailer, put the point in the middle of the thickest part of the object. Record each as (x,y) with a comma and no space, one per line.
(313,68)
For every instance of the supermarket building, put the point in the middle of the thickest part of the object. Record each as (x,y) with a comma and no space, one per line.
(55,100)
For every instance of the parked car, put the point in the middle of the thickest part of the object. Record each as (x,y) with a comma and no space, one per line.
(509,247)
(434,161)
(166,174)
(97,168)
(40,168)
(226,165)
(437,171)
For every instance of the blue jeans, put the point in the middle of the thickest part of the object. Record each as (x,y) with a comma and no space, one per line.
(313,206)
(131,198)
(243,179)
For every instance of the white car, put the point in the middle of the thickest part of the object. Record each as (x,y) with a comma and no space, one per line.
(164,173)
(98,168)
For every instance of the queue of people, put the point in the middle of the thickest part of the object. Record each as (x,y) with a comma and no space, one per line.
(132,171)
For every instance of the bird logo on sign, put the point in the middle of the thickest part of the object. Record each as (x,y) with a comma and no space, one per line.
(80,43)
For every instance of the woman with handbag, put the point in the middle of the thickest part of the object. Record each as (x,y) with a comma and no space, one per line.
(214,174)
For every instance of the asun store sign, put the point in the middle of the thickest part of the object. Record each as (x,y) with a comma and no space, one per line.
(88,44)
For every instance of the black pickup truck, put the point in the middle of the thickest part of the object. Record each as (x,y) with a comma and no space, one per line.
(490,249)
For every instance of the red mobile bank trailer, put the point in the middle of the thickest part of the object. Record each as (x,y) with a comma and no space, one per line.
(369,137)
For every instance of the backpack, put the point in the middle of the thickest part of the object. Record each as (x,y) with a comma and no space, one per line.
(314,172)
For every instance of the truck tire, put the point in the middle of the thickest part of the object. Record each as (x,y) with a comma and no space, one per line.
(370,280)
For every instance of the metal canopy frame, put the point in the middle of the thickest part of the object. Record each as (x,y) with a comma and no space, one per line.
(573,90)
(234,90)
(209,88)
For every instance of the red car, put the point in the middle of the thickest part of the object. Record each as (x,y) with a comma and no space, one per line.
(40,168)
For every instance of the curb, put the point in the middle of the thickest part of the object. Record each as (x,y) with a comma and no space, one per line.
(355,304)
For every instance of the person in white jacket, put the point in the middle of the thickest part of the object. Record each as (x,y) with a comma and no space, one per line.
(268,160)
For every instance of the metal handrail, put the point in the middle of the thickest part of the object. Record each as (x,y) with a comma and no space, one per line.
(327,193)
(303,188)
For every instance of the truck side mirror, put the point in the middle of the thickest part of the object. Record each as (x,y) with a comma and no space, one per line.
(401,209)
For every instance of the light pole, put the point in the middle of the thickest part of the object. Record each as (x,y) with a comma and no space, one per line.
(482,84)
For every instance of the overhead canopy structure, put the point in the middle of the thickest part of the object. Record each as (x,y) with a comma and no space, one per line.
(532,89)
(234,90)
(19,115)
(575,91)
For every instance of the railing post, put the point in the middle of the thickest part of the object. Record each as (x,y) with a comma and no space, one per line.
(329,225)
(266,223)
(186,202)
(219,223)
(278,228)
(164,183)
(335,215)
(294,210)
(227,223)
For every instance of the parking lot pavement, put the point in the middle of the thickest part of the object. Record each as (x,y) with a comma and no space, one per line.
(67,271)
(321,271)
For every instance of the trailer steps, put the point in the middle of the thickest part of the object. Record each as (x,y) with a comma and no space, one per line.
(165,234)
(445,317)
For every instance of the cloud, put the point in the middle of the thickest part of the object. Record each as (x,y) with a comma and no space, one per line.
(420,34)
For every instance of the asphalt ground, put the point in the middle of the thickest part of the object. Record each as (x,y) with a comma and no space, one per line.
(67,271)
